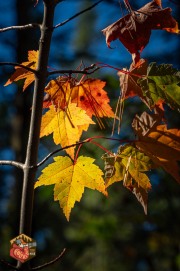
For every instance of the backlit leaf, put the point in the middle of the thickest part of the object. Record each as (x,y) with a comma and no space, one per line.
(134,29)
(141,195)
(90,96)
(22,73)
(70,179)
(129,165)
(129,80)
(132,161)
(66,127)
(161,84)
(58,92)
(87,94)
(161,144)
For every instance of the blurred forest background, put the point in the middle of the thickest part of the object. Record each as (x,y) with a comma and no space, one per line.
(103,234)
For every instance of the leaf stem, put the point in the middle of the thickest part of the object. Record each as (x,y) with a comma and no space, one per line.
(88,140)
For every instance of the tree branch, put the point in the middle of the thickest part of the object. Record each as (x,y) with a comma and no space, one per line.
(77,14)
(80,143)
(51,262)
(12,163)
(18,65)
(20,27)
(58,150)
(84,71)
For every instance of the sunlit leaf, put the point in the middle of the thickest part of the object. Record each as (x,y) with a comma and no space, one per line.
(70,178)
(90,95)
(161,144)
(22,73)
(161,84)
(67,127)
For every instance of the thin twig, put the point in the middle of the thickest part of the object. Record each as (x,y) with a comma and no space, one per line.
(58,150)
(18,65)
(85,71)
(51,262)
(12,163)
(77,14)
(20,27)
(8,264)
(88,140)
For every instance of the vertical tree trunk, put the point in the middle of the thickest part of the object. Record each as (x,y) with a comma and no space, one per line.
(33,141)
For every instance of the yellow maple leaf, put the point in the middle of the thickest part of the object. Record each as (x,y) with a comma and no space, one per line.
(59,92)
(22,73)
(66,127)
(87,94)
(70,179)
(130,164)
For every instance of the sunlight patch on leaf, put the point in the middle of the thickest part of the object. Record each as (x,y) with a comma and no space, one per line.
(70,179)
(67,127)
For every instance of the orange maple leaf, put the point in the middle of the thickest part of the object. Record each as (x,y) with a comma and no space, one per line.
(66,126)
(90,95)
(70,179)
(87,94)
(160,144)
(22,73)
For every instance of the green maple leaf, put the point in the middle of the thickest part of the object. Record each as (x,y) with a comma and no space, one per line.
(161,84)
(129,165)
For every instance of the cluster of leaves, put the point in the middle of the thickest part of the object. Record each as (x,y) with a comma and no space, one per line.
(70,103)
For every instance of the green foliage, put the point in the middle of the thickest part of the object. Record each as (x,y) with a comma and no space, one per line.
(161,84)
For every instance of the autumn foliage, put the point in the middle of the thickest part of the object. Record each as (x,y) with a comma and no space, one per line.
(72,104)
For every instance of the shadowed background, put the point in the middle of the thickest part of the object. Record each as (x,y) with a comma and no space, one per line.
(103,234)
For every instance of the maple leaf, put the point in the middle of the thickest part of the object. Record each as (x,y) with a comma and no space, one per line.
(134,29)
(141,195)
(161,84)
(90,96)
(87,94)
(130,160)
(129,80)
(159,143)
(66,127)
(70,179)
(58,92)
(129,165)
(22,73)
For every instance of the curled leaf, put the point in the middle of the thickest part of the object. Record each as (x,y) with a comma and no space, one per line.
(134,29)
